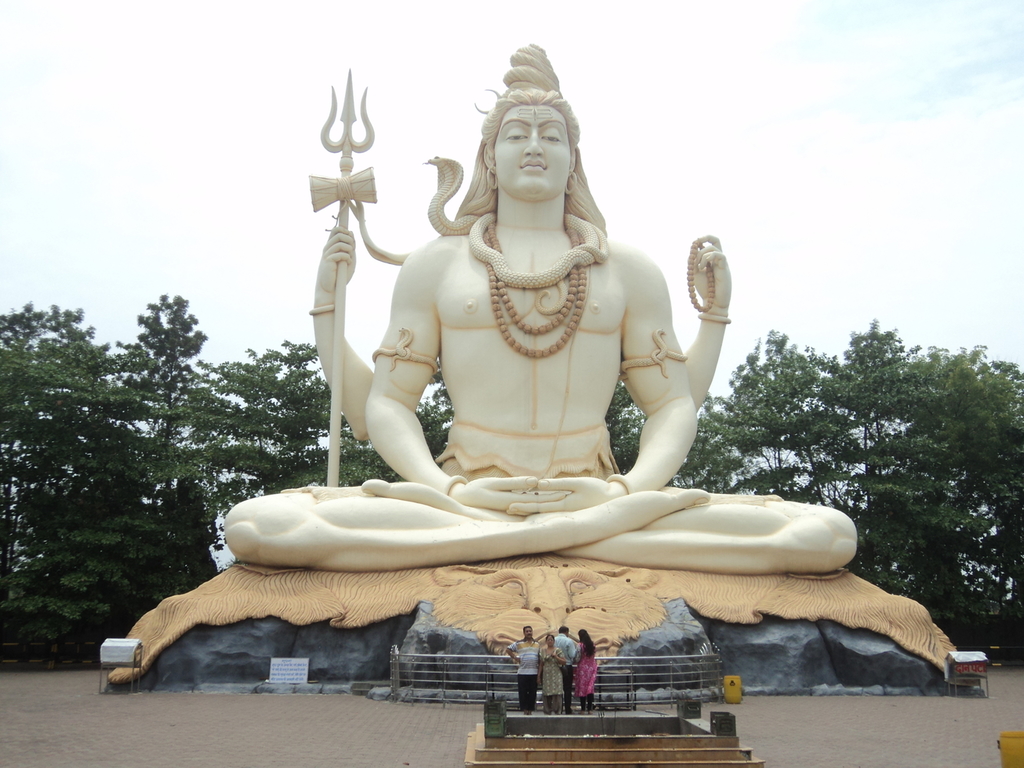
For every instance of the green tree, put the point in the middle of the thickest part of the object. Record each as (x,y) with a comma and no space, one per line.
(923,452)
(21,334)
(625,421)
(713,464)
(779,424)
(84,551)
(162,373)
(974,424)
(263,424)
(877,392)
(435,414)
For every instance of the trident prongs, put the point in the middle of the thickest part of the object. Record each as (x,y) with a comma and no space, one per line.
(346,145)
(346,191)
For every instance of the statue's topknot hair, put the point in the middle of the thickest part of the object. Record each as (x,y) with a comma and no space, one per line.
(531,81)
(531,69)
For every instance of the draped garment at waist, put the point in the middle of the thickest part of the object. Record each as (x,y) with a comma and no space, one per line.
(473,452)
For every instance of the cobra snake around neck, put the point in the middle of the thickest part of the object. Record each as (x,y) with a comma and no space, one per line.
(449,179)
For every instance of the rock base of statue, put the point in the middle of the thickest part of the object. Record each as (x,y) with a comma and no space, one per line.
(773,657)
(236,658)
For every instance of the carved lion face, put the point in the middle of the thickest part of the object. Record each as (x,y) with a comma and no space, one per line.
(613,606)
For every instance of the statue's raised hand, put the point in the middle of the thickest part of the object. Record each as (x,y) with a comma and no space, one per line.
(710,254)
(340,248)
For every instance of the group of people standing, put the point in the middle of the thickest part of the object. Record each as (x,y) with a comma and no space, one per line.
(560,667)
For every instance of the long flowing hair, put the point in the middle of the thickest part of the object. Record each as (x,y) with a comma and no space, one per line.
(588,645)
(531,82)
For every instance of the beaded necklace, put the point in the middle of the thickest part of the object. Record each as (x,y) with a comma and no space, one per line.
(570,275)
(575,299)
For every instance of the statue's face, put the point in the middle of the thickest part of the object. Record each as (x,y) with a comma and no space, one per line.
(532,154)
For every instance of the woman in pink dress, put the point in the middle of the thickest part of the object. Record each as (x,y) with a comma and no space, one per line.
(586,672)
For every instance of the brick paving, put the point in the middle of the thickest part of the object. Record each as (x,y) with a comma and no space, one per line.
(56,719)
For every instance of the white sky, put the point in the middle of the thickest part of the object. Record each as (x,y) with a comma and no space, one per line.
(859,159)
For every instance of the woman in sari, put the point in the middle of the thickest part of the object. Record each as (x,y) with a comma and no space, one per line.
(586,672)
(549,676)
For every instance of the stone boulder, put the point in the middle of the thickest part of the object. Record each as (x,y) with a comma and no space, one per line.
(783,657)
(236,657)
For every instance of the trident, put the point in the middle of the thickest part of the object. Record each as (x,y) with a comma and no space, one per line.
(347,190)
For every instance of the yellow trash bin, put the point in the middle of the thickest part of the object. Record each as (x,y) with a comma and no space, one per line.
(1011,748)
(733,689)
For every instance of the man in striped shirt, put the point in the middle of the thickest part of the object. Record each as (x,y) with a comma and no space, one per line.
(526,653)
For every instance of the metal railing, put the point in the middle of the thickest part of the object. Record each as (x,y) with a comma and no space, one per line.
(622,682)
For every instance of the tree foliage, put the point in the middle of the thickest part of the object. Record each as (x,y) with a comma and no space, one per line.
(262,423)
(625,421)
(713,463)
(117,464)
(84,549)
(160,370)
(922,450)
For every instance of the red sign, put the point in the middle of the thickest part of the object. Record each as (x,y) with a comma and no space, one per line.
(969,668)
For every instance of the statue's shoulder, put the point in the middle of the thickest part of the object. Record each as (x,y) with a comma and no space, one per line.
(433,259)
(629,261)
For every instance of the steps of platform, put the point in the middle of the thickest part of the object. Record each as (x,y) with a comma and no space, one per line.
(614,725)
(579,757)
(661,741)
(606,751)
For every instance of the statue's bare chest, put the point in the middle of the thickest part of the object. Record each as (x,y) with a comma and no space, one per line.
(465,301)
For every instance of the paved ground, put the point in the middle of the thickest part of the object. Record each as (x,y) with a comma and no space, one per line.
(58,720)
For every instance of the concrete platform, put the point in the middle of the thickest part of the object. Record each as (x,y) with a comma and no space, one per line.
(607,751)
(57,718)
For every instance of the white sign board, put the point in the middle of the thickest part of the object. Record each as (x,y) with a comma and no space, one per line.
(119,650)
(289,670)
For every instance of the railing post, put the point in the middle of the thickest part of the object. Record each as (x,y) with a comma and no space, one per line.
(396,681)
(632,687)
(444,682)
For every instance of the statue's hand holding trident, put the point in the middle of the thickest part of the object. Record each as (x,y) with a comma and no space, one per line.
(348,190)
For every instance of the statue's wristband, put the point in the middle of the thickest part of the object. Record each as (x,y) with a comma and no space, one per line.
(714,318)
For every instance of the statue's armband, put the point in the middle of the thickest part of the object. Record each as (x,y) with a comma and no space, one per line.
(402,352)
(658,356)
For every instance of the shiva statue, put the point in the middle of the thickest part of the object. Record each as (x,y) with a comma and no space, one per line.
(535,316)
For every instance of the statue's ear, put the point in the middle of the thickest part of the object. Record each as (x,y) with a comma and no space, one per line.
(451,575)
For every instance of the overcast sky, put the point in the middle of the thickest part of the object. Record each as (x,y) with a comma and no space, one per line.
(859,159)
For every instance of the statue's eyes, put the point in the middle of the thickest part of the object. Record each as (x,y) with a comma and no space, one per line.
(579,586)
(555,138)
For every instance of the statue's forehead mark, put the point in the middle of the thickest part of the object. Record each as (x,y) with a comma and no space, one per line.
(535,113)
(541,117)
